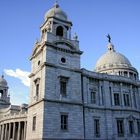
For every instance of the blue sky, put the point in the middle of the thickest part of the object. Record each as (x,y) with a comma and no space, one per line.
(92,21)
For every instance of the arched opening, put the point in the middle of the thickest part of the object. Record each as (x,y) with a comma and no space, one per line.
(1,93)
(59,31)
(37,87)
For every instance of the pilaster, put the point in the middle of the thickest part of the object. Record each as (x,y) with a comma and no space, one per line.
(131,95)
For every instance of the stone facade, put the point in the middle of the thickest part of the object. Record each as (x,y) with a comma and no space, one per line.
(67,102)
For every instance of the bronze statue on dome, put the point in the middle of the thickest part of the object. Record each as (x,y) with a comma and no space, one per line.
(109,38)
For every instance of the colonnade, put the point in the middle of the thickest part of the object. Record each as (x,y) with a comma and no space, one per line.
(13,130)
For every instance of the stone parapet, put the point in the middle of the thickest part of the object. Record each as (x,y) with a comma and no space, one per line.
(103,76)
(13,117)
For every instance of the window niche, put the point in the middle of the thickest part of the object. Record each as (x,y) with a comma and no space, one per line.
(37,87)
(96,127)
(120,127)
(63,86)
(116,99)
(131,127)
(126,99)
(38,63)
(34,123)
(93,97)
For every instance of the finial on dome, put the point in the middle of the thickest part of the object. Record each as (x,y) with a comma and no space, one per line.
(109,38)
(56,5)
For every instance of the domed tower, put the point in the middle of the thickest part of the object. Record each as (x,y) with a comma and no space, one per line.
(4,97)
(115,63)
(55,81)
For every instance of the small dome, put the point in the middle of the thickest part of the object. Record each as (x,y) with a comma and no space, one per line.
(112,59)
(3,82)
(55,11)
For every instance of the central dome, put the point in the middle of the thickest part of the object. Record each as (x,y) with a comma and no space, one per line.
(115,63)
(111,57)
(55,11)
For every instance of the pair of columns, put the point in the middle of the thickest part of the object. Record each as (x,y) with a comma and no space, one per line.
(14,131)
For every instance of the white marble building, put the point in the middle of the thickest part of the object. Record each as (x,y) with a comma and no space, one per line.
(70,102)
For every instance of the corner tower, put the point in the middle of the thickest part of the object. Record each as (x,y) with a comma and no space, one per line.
(55,108)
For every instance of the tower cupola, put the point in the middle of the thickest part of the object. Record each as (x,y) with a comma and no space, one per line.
(4,96)
(56,25)
(56,12)
(3,82)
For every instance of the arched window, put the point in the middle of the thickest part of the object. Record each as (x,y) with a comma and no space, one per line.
(59,31)
(37,85)
(1,93)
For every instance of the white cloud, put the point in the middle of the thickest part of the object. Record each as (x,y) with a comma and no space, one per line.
(20,74)
(17,97)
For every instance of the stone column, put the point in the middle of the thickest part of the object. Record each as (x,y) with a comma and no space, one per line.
(121,95)
(135,128)
(19,130)
(13,136)
(5,134)
(100,96)
(111,94)
(135,98)
(138,98)
(0,131)
(25,128)
(9,131)
(112,97)
(2,135)
(70,33)
(125,128)
(22,131)
(131,96)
